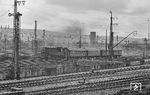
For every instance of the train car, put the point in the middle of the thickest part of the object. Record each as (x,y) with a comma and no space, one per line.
(93,53)
(116,53)
(104,53)
(61,53)
(78,53)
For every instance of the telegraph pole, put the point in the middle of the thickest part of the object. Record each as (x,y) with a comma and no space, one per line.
(145,40)
(1,32)
(69,37)
(44,37)
(111,42)
(5,42)
(117,39)
(111,36)
(106,43)
(148,31)
(35,39)
(16,40)
(32,43)
(80,39)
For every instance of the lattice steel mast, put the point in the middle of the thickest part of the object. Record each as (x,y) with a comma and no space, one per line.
(16,40)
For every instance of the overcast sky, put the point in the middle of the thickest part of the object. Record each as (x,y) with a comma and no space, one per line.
(93,15)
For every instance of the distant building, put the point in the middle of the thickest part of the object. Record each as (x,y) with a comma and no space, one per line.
(87,65)
(92,38)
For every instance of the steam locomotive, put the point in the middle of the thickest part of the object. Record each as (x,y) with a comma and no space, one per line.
(60,53)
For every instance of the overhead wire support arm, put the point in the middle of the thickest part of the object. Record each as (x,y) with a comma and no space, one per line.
(124,39)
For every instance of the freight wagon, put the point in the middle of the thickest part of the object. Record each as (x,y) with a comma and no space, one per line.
(77,53)
(93,53)
(116,53)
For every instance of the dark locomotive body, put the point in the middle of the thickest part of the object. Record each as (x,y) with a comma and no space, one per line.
(54,52)
(62,53)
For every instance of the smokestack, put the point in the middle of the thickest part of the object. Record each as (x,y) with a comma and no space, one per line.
(92,38)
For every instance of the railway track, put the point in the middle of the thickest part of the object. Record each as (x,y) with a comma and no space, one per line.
(5,85)
(93,84)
